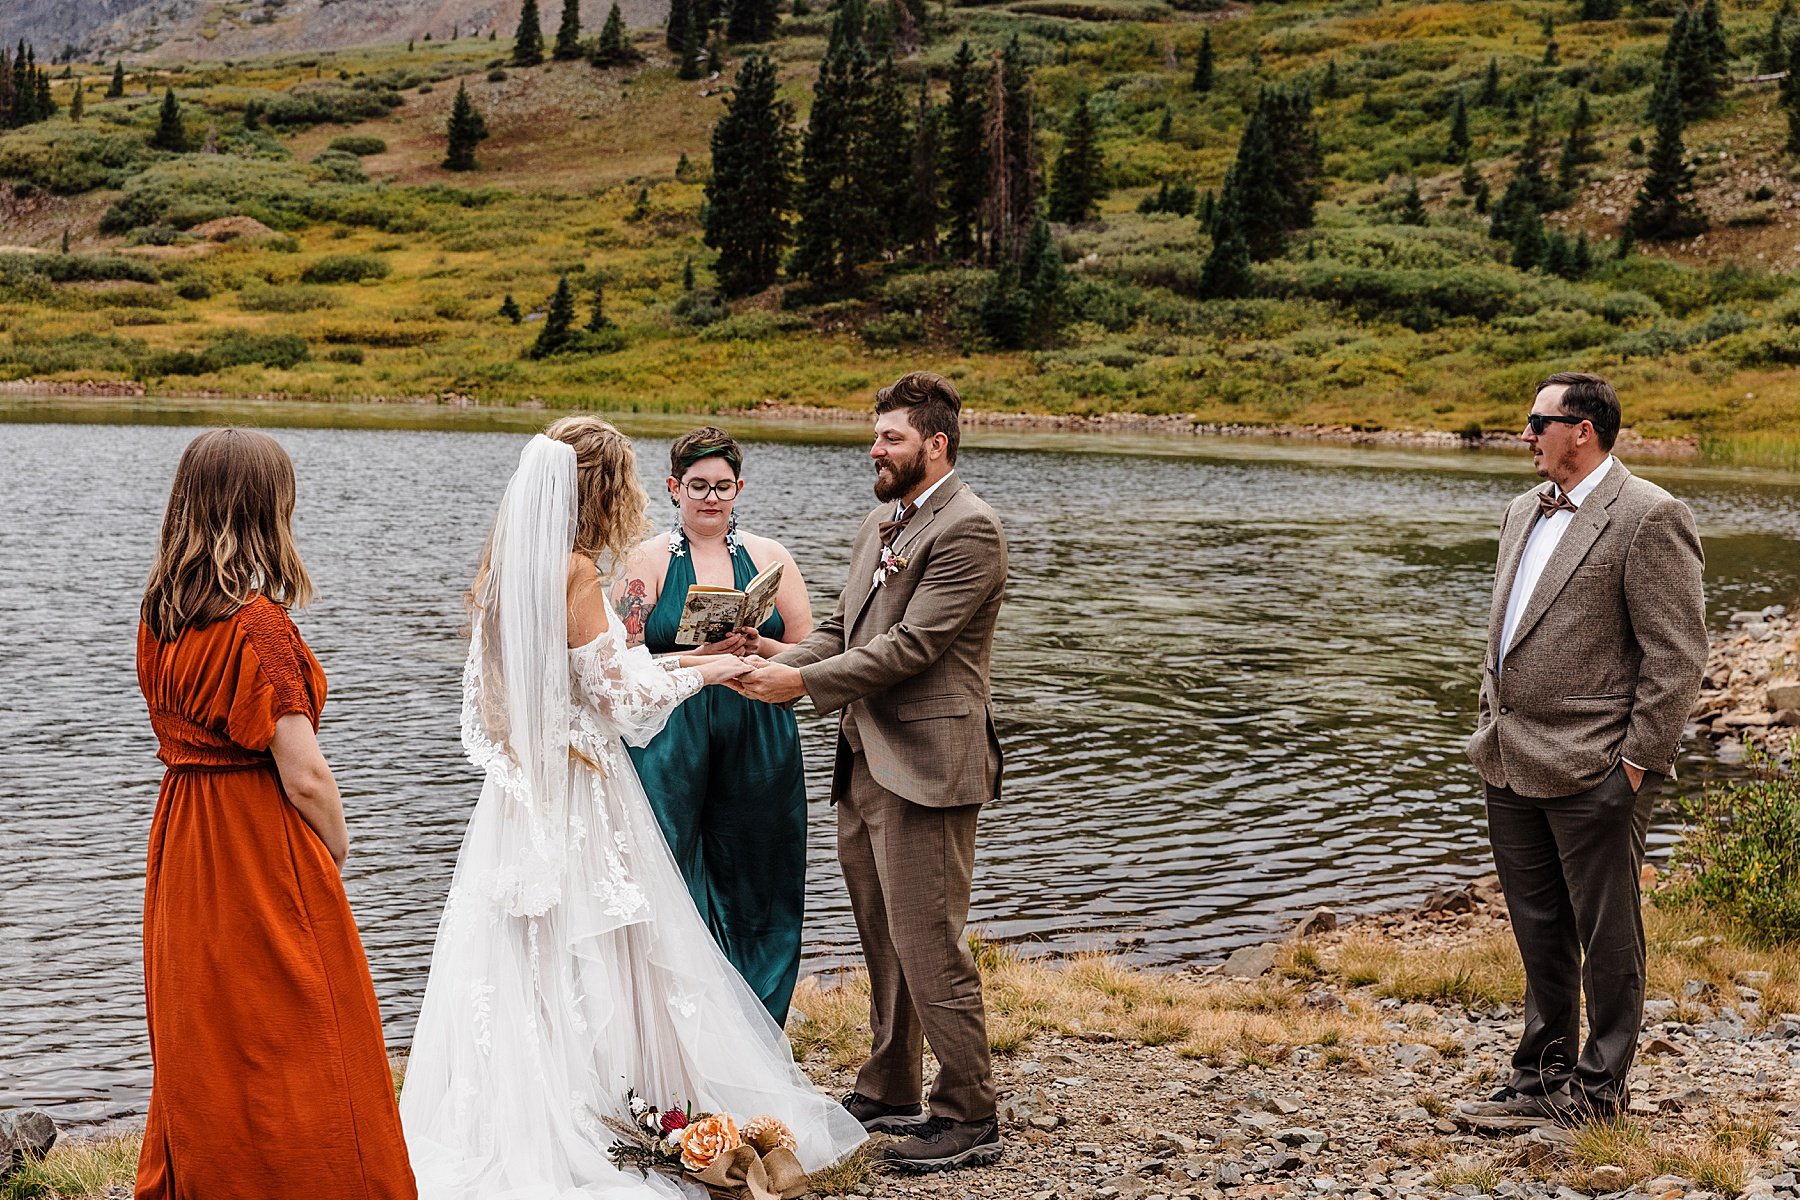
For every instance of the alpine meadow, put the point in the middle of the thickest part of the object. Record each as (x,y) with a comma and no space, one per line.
(1321,212)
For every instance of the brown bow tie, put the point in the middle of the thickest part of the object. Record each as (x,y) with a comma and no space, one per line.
(891,529)
(1552,500)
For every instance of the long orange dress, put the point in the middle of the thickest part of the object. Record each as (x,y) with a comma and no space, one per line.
(271,1076)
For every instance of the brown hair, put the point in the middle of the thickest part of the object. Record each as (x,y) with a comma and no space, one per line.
(610,499)
(227,535)
(932,405)
(705,442)
(1591,398)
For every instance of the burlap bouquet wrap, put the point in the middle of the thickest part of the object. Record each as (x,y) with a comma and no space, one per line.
(747,1174)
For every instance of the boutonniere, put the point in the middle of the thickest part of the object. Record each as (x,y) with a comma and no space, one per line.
(889,564)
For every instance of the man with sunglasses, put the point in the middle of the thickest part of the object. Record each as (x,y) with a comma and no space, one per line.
(1596,645)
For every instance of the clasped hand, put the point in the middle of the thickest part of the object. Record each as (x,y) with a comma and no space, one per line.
(738,641)
(770,682)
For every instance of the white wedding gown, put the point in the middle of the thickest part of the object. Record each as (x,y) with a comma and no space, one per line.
(561,980)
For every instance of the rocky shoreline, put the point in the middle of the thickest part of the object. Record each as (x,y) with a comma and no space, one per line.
(1750,694)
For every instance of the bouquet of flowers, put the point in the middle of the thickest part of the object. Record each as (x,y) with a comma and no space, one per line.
(753,1162)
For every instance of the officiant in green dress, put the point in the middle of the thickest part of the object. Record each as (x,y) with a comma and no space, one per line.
(725,775)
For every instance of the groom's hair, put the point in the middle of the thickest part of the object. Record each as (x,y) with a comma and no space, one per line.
(1591,398)
(932,405)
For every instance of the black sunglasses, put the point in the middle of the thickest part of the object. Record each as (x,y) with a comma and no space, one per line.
(1541,421)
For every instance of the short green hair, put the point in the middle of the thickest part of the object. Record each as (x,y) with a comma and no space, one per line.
(704,442)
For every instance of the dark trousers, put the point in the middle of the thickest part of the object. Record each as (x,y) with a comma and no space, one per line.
(1569,867)
(908,869)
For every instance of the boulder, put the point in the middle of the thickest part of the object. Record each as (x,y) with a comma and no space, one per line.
(1782,694)
(1322,920)
(25,1134)
(1251,962)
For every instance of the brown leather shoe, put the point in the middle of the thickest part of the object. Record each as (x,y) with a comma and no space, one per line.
(941,1144)
(1509,1110)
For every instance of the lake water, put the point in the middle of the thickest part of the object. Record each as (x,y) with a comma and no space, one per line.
(1233,679)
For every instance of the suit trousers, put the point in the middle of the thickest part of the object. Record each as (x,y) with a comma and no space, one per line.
(1569,868)
(908,869)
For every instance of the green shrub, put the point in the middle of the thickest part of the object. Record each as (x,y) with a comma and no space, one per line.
(343,167)
(353,355)
(892,329)
(346,268)
(280,299)
(701,308)
(1740,856)
(68,160)
(237,348)
(335,103)
(359,144)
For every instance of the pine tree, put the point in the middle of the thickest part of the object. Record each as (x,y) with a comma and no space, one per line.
(1014,178)
(1481,199)
(923,209)
(1329,86)
(1599,10)
(752,184)
(1165,128)
(1412,210)
(466,130)
(839,223)
(1076,187)
(1712,41)
(1470,180)
(752,21)
(169,134)
(614,49)
(1528,243)
(715,56)
(1577,149)
(1203,64)
(1790,98)
(1775,51)
(1490,85)
(1552,53)
(675,35)
(1665,205)
(559,322)
(1626,246)
(1250,190)
(116,88)
(965,166)
(509,308)
(1559,255)
(1226,273)
(1460,142)
(1299,162)
(1583,260)
(568,33)
(693,36)
(77,102)
(687,275)
(528,42)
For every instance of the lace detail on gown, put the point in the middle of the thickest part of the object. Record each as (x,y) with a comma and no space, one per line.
(535,1023)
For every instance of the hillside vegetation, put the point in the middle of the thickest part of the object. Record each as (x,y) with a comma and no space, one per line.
(308,240)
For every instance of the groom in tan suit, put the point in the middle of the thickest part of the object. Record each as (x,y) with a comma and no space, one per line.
(1596,644)
(904,659)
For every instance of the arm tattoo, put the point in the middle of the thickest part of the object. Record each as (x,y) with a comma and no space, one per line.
(634,610)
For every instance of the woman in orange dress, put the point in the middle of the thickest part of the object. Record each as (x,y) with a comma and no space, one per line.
(271,1079)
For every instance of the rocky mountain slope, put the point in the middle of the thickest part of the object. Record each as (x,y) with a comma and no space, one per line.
(199,30)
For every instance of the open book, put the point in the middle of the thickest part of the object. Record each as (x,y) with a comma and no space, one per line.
(710,613)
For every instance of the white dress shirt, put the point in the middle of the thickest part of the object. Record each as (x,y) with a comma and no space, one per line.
(1545,537)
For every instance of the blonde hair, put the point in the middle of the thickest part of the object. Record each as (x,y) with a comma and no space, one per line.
(610,500)
(227,534)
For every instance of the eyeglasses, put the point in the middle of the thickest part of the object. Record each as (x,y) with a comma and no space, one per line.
(699,489)
(1541,421)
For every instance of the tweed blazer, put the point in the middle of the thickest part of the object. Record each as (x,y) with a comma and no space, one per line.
(1607,657)
(906,662)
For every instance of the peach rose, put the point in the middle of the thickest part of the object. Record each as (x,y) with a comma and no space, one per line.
(768,1134)
(708,1139)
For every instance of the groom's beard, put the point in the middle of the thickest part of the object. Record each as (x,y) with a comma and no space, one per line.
(894,479)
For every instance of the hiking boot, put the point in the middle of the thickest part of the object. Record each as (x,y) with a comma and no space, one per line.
(941,1144)
(877,1117)
(1509,1109)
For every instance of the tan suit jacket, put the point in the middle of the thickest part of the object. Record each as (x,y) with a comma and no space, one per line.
(907,662)
(1607,658)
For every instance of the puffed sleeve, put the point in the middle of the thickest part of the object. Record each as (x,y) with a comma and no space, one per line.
(269,678)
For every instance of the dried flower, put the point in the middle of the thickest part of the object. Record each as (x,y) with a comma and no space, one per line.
(639,1105)
(768,1134)
(707,1139)
(673,1119)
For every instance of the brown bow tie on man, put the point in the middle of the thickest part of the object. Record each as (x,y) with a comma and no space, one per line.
(1552,500)
(890,530)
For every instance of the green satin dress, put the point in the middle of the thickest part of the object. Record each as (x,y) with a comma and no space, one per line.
(726,781)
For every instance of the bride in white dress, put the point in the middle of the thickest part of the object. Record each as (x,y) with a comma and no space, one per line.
(570,962)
